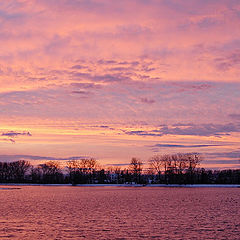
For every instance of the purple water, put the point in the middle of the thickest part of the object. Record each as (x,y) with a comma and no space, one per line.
(47,212)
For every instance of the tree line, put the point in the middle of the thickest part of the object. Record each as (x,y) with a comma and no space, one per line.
(181,168)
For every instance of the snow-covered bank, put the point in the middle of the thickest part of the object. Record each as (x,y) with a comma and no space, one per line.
(128,185)
(198,185)
(161,185)
(9,188)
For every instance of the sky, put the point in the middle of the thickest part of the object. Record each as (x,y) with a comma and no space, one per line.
(120,79)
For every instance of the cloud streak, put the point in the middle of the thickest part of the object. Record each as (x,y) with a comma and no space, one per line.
(15,134)
(232,154)
(38,158)
(184,146)
(217,130)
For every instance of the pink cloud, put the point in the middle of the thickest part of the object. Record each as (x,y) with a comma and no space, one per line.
(125,63)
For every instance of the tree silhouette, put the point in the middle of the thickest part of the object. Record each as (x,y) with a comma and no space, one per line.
(136,169)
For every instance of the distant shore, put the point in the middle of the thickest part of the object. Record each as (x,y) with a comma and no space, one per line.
(129,185)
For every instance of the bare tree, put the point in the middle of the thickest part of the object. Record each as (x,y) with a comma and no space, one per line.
(22,168)
(181,163)
(175,165)
(51,172)
(82,170)
(193,160)
(14,171)
(73,168)
(156,164)
(91,164)
(136,168)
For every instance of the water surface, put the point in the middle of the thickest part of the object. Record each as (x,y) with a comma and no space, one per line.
(47,212)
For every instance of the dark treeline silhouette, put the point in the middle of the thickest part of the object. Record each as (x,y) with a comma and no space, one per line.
(162,169)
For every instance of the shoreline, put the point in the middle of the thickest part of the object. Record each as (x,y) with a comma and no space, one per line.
(127,185)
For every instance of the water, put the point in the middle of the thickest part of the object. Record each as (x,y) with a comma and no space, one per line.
(47,212)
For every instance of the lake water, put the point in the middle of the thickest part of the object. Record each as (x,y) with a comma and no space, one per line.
(64,212)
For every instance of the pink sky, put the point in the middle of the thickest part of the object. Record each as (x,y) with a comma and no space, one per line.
(120,79)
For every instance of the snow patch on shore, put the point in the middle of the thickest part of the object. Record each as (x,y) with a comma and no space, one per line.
(124,185)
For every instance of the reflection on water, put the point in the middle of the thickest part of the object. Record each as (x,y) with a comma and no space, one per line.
(47,212)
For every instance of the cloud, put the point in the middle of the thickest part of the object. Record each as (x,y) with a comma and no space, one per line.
(147,100)
(37,158)
(118,164)
(237,162)
(110,78)
(142,133)
(228,62)
(192,87)
(15,134)
(103,61)
(104,78)
(78,67)
(12,134)
(119,69)
(235,116)
(9,140)
(201,130)
(216,130)
(81,92)
(86,85)
(183,146)
(81,75)
(232,154)
(103,126)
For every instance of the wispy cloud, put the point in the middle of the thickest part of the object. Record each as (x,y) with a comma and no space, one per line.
(227,162)
(202,130)
(86,85)
(191,130)
(147,100)
(37,158)
(142,133)
(231,154)
(235,116)
(192,87)
(184,146)
(81,92)
(9,140)
(228,62)
(15,134)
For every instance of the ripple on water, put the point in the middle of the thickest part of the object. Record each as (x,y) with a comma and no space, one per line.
(46,212)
